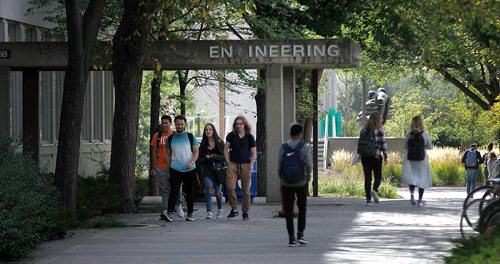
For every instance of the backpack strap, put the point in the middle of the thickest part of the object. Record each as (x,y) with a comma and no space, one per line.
(190,136)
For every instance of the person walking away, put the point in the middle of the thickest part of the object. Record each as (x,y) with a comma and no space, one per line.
(159,165)
(240,154)
(294,169)
(485,159)
(471,159)
(182,153)
(416,169)
(372,148)
(211,153)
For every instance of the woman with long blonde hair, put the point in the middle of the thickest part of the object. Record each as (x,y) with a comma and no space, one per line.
(416,169)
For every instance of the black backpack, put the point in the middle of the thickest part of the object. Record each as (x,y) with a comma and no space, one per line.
(292,167)
(366,143)
(416,147)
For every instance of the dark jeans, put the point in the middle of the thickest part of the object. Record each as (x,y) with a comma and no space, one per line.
(288,202)
(371,164)
(176,179)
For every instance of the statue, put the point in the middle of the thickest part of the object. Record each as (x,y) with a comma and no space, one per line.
(378,101)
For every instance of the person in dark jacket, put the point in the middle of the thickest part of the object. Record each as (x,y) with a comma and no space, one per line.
(211,152)
(471,159)
(297,189)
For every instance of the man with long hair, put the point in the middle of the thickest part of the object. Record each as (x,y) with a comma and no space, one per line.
(240,153)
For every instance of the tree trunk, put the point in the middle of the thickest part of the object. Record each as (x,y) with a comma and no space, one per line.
(129,44)
(153,122)
(82,34)
(182,75)
(260,102)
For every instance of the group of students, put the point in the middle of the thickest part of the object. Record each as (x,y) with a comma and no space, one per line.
(177,155)
(472,159)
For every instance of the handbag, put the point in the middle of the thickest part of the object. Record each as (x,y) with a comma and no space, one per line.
(220,170)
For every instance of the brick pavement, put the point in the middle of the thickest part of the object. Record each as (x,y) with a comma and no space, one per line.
(339,230)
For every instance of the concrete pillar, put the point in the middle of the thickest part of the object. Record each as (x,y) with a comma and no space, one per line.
(274,129)
(5,99)
(289,106)
(31,113)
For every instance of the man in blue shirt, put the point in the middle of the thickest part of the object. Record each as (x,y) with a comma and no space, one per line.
(182,153)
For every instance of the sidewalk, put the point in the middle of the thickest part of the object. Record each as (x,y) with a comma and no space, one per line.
(339,230)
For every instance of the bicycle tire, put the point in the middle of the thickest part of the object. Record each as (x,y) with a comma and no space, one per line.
(482,189)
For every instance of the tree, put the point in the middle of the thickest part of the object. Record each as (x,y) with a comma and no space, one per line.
(129,45)
(458,39)
(82,32)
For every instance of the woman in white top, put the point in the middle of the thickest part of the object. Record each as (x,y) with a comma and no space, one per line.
(416,169)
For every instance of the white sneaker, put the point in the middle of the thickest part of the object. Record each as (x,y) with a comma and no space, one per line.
(412,200)
(219,213)
(420,203)
(209,215)
(375,196)
(180,212)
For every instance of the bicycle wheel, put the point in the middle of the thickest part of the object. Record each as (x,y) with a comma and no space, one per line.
(477,193)
(465,230)
(472,212)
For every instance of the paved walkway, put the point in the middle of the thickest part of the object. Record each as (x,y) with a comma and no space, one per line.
(339,230)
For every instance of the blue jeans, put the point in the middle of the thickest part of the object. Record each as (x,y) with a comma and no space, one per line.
(471,179)
(209,184)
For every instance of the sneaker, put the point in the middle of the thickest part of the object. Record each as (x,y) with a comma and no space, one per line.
(302,240)
(167,217)
(375,196)
(412,200)
(209,215)
(233,213)
(219,213)
(292,242)
(180,212)
(420,203)
(190,217)
(369,203)
(245,217)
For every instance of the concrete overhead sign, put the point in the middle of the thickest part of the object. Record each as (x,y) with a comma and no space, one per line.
(204,54)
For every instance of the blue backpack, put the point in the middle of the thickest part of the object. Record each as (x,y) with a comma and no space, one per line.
(292,167)
(471,159)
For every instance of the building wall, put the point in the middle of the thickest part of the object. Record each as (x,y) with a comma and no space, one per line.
(17,25)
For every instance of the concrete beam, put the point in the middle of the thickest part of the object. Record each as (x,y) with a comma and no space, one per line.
(289,102)
(199,55)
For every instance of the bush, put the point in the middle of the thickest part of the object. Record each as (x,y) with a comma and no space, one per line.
(29,210)
(97,196)
(483,248)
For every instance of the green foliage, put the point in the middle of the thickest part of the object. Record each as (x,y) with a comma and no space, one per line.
(458,39)
(29,210)
(482,248)
(97,196)
(446,173)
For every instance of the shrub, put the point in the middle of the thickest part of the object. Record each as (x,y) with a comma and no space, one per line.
(97,196)
(29,209)
(482,248)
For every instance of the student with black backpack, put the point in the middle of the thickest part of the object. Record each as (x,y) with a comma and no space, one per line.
(372,148)
(294,169)
(416,169)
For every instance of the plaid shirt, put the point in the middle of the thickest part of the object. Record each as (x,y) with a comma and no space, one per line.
(380,143)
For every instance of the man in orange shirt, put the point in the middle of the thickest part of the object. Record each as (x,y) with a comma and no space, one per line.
(160,167)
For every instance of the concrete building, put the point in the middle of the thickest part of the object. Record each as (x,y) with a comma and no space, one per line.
(32,115)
